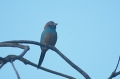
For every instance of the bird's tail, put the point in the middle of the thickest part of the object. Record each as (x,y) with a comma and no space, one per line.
(41,58)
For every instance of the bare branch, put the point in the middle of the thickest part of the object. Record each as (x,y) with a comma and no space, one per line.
(114,73)
(26,48)
(56,50)
(15,70)
(117,64)
(25,61)
(72,64)
(14,43)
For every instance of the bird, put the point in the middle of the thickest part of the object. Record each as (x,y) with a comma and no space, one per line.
(48,36)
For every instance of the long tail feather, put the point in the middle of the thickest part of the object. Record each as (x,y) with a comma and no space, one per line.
(41,58)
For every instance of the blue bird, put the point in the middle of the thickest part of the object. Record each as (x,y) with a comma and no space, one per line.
(49,36)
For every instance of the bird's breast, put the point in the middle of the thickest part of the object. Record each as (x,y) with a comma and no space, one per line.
(49,36)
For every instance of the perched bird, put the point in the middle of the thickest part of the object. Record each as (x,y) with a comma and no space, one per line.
(49,36)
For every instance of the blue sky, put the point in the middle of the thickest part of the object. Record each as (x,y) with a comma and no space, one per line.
(88,34)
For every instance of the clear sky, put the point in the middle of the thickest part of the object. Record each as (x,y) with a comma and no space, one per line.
(88,34)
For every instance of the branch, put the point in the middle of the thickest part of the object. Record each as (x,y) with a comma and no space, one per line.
(114,73)
(25,61)
(72,64)
(56,50)
(26,48)
(15,70)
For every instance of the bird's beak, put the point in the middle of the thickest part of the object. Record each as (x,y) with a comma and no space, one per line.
(55,24)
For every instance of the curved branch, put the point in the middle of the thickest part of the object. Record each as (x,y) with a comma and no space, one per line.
(25,61)
(72,64)
(26,48)
(56,50)
(114,73)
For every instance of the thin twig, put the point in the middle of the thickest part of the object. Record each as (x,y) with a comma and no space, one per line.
(114,74)
(117,64)
(15,70)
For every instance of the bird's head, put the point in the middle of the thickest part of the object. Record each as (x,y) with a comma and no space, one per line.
(50,24)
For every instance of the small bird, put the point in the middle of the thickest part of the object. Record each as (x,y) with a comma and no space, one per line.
(49,36)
